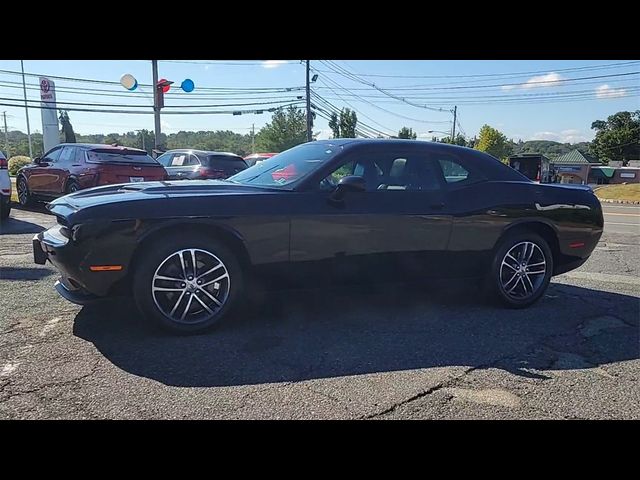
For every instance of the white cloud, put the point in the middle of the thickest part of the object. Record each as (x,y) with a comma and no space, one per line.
(273,63)
(551,79)
(165,124)
(605,91)
(565,136)
(548,80)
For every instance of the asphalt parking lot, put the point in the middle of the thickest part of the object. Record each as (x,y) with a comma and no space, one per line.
(392,353)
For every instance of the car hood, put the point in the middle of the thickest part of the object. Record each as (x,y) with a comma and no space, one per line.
(128,193)
(573,186)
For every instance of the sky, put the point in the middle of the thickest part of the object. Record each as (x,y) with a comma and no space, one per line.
(529,100)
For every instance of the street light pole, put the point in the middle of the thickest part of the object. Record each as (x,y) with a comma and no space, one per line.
(156,106)
(453,131)
(308,104)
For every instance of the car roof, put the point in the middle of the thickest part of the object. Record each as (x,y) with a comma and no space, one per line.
(202,152)
(101,146)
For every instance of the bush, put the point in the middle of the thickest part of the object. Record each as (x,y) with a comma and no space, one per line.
(15,163)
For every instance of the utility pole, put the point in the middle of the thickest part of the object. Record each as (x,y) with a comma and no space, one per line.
(308,105)
(141,132)
(156,106)
(26,109)
(6,135)
(453,132)
(253,138)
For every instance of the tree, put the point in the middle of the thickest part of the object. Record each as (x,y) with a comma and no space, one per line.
(493,142)
(617,137)
(407,133)
(287,129)
(67,134)
(345,125)
(460,140)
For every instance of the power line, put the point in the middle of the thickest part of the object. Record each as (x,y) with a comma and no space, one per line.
(511,74)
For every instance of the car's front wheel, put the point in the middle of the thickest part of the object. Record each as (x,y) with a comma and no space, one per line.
(521,269)
(187,283)
(24,197)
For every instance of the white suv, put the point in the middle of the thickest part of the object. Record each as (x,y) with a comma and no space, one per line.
(5,188)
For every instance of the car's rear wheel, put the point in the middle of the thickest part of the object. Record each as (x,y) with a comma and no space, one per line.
(72,187)
(521,269)
(187,284)
(24,197)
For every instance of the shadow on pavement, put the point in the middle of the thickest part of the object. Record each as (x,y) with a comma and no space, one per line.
(295,336)
(13,226)
(35,273)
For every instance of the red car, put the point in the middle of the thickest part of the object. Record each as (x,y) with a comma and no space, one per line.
(69,167)
(257,157)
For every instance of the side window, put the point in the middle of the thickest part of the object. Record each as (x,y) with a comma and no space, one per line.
(331,180)
(53,155)
(164,159)
(192,160)
(454,172)
(67,156)
(180,160)
(79,156)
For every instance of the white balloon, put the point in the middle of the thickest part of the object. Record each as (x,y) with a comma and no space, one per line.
(128,81)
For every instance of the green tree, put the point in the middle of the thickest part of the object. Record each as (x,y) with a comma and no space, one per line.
(287,129)
(407,133)
(460,140)
(344,126)
(617,137)
(493,142)
(67,134)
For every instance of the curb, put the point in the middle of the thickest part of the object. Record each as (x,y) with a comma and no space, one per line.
(631,202)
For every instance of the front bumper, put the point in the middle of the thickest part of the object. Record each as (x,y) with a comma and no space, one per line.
(77,283)
(76,296)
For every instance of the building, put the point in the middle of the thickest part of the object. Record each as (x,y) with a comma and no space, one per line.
(606,175)
(572,167)
(534,166)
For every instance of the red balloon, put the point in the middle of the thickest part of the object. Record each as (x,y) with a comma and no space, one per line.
(165,88)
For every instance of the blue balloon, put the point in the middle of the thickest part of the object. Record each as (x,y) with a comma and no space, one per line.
(187,85)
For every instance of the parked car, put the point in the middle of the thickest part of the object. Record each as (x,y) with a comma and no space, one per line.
(70,167)
(257,157)
(5,188)
(187,164)
(333,211)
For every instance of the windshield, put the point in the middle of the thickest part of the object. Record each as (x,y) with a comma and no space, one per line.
(287,167)
(101,156)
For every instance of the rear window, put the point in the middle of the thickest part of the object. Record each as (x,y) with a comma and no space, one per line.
(226,162)
(99,156)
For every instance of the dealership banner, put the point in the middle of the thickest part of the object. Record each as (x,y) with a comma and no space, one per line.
(50,132)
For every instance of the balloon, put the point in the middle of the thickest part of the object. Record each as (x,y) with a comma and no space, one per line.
(129,82)
(165,88)
(187,85)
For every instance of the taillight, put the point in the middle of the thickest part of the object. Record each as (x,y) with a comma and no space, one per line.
(210,172)
(3,164)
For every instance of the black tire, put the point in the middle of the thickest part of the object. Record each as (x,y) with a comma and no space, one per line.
(513,294)
(5,208)
(24,196)
(72,187)
(162,253)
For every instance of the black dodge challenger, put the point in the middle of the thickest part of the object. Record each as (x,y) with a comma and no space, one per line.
(330,211)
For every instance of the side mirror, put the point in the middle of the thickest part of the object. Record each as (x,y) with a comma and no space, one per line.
(351,183)
(37,160)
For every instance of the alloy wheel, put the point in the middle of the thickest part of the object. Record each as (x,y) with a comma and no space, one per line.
(190,286)
(523,270)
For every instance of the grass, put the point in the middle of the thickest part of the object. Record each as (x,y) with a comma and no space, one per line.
(629,192)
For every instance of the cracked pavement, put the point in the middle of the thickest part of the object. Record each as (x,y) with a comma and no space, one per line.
(395,352)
